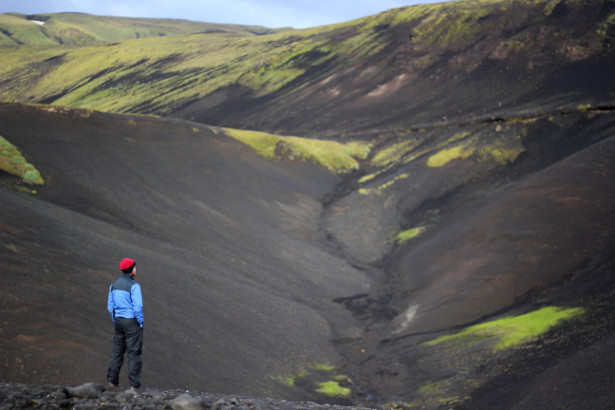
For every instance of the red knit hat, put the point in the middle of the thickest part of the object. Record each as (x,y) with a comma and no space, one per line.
(126,263)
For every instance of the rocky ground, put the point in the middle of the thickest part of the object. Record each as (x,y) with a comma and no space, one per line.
(96,396)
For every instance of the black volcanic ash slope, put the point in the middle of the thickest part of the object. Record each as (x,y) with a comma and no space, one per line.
(487,199)
(237,296)
(238,284)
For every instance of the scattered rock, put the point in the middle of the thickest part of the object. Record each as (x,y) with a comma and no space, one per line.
(88,396)
(58,395)
(85,391)
(185,402)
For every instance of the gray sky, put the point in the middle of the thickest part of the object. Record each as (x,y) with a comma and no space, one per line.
(268,13)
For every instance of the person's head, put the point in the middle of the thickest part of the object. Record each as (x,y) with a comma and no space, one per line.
(129,266)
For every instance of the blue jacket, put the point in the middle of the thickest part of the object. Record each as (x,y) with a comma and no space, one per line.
(125,299)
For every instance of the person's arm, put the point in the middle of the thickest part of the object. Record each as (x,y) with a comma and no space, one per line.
(137,302)
(111,303)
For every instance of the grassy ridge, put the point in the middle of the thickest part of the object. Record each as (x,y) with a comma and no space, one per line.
(161,74)
(79,29)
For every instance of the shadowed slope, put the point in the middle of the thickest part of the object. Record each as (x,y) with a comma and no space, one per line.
(233,285)
(479,222)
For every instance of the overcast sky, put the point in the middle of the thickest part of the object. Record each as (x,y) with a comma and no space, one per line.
(268,13)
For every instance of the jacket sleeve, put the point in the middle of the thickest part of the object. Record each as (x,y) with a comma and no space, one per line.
(111,303)
(137,302)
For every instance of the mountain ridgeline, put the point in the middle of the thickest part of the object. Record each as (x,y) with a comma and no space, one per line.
(413,209)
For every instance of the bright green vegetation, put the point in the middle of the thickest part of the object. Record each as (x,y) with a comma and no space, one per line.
(446,155)
(406,235)
(323,367)
(324,377)
(166,71)
(14,163)
(335,156)
(446,25)
(290,380)
(156,66)
(170,69)
(332,388)
(501,153)
(514,330)
(484,145)
(379,189)
(457,146)
(392,153)
(21,31)
(502,150)
(78,29)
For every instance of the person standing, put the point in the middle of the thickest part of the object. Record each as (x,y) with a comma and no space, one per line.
(125,305)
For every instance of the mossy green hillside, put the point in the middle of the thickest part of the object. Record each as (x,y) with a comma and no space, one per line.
(168,70)
(162,73)
(514,330)
(13,162)
(17,30)
(79,29)
(335,156)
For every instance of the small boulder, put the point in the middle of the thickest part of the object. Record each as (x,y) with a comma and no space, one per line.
(85,391)
(185,402)
(58,395)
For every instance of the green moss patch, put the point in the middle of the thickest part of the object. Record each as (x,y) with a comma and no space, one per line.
(502,154)
(392,153)
(379,189)
(323,367)
(335,156)
(321,378)
(503,150)
(447,155)
(332,388)
(409,234)
(14,163)
(514,330)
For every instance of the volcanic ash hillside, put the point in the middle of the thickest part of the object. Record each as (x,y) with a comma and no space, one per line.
(424,218)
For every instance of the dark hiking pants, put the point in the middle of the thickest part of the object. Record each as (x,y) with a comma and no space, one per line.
(128,339)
